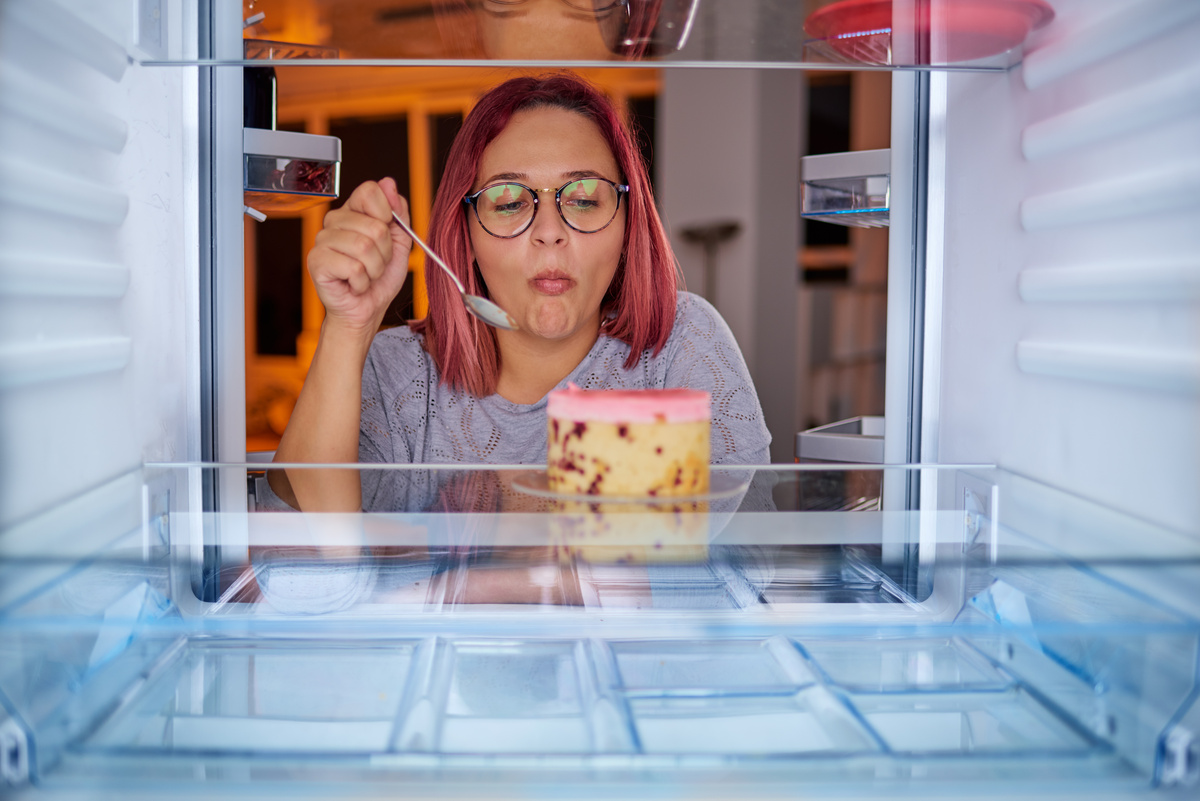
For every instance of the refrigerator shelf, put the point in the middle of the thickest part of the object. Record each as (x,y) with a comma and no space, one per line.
(852,189)
(445,633)
(446,34)
(269,50)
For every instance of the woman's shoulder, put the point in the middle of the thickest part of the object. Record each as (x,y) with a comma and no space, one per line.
(400,339)
(398,355)
(696,316)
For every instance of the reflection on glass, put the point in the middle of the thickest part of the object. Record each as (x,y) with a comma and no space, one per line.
(985,35)
(478,537)
(631,534)
(924,32)
(572,30)
(518,30)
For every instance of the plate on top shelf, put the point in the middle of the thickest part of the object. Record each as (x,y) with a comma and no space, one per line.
(720,487)
(956,31)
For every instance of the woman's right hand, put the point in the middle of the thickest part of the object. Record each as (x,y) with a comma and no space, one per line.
(360,259)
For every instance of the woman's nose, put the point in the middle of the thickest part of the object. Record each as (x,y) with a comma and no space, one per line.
(548,226)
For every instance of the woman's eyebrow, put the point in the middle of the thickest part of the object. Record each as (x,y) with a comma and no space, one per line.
(571,175)
(506,176)
(574,174)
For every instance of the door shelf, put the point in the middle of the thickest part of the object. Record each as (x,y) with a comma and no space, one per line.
(850,189)
(287,171)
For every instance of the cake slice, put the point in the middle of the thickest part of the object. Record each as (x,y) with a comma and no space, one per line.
(645,443)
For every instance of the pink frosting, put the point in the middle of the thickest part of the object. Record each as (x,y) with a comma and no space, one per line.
(629,405)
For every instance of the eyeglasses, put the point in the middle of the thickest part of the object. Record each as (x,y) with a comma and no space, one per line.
(587,205)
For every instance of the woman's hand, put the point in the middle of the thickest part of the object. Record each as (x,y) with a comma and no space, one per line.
(360,258)
(358,264)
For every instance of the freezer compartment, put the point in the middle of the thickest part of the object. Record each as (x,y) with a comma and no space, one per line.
(967,626)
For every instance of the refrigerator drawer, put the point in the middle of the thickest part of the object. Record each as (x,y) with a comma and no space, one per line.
(858,440)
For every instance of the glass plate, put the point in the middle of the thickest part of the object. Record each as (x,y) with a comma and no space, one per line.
(721,486)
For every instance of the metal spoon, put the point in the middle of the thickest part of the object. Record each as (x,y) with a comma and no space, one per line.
(482,308)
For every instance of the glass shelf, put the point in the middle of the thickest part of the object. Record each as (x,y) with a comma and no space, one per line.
(956,625)
(640,33)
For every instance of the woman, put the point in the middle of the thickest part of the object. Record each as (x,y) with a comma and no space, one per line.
(594,298)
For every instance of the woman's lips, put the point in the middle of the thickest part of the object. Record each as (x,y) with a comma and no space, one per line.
(552,283)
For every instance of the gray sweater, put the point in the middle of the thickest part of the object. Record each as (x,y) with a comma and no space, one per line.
(409,416)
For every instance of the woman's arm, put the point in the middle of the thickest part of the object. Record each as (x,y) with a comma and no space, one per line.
(358,264)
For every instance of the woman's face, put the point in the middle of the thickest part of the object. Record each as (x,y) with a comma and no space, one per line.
(539,29)
(550,278)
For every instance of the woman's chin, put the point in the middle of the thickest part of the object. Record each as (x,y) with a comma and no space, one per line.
(552,322)
(554,332)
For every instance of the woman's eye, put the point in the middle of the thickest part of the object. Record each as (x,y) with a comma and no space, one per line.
(513,207)
(505,199)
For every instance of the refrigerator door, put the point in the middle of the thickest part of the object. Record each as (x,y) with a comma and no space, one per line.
(1064,331)
(99,179)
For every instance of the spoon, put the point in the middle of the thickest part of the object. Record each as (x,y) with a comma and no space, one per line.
(482,308)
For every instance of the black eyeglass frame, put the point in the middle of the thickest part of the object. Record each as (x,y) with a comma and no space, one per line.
(472,199)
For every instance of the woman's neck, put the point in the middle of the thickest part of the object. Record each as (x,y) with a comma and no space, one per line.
(530,367)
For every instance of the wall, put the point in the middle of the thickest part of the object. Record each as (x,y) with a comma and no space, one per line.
(842,297)
(729,149)
(98,257)
(1071,313)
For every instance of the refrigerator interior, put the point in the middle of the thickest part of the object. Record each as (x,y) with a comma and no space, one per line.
(1010,603)
(788,631)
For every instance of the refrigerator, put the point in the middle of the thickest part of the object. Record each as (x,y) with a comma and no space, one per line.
(1001,600)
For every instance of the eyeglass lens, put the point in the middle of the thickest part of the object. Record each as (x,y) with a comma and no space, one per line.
(587,205)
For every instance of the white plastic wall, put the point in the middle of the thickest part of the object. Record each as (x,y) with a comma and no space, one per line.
(98,256)
(729,150)
(1070,315)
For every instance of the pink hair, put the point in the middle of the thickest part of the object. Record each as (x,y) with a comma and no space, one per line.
(639,307)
